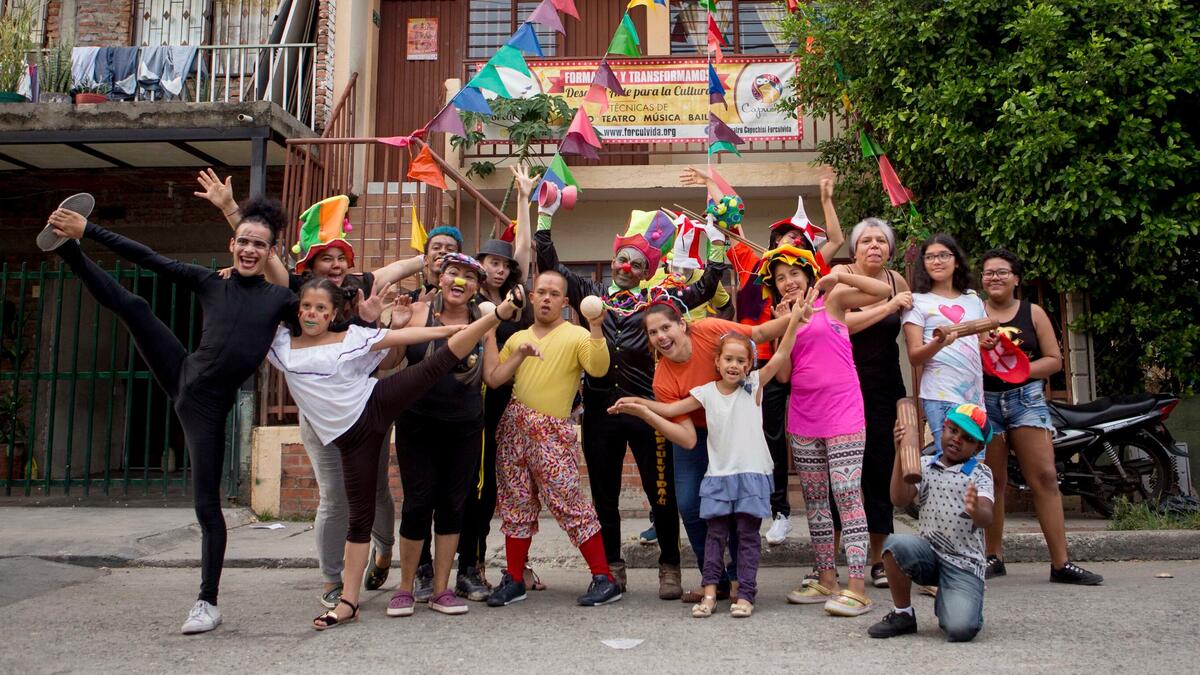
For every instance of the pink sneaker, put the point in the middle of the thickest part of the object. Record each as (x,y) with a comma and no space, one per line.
(447,602)
(401,604)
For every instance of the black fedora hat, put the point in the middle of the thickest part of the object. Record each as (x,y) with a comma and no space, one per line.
(498,248)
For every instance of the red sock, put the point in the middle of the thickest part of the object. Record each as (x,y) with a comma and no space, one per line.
(593,553)
(517,552)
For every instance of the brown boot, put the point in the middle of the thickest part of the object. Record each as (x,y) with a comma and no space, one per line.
(618,572)
(670,582)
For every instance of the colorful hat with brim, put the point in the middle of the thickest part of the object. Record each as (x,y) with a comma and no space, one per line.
(651,233)
(793,256)
(322,226)
(973,420)
(465,261)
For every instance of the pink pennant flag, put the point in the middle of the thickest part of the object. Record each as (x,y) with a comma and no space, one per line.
(608,79)
(447,120)
(891,183)
(582,125)
(722,184)
(546,15)
(715,40)
(574,144)
(398,141)
(598,94)
(567,7)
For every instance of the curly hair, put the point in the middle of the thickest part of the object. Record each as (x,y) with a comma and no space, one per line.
(921,283)
(265,211)
(1007,256)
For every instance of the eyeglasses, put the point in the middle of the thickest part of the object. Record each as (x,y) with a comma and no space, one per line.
(939,257)
(997,274)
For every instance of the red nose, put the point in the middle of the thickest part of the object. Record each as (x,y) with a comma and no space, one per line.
(626,268)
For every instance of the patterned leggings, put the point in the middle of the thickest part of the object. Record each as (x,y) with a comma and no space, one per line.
(837,462)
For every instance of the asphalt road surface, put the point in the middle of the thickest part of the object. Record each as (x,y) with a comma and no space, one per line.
(59,618)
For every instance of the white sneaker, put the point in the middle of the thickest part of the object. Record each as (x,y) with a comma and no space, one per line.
(780,529)
(203,618)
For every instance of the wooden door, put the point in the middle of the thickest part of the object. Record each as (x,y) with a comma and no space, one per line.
(409,93)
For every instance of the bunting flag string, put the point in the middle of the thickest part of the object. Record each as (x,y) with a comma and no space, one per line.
(625,41)
(581,137)
(715,40)
(547,15)
(526,40)
(896,192)
(716,91)
(425,169)
(566,7)
(721,138)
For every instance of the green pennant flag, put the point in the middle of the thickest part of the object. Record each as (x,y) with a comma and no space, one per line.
(559,167)
(869,147)
(841,74)
(723,146)
(488,78)
(625,40)
(511,57)
(710,5)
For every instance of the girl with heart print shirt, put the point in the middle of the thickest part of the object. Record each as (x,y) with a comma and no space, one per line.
(951,368)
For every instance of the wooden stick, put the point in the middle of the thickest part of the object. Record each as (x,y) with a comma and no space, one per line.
(757,248)
(963,329)
(910,447)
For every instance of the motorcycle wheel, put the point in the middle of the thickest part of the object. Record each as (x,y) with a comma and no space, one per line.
(1149,473)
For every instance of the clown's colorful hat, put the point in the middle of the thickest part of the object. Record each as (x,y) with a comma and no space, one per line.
(651,233)
(789,255)
(324,225)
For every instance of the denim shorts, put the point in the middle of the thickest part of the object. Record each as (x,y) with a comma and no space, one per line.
(1024,406)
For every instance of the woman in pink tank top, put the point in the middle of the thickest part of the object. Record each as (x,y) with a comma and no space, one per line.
(826,427)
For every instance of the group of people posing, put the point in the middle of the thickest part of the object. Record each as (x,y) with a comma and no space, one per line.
(712,410)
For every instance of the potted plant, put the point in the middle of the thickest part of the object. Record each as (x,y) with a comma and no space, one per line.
(54,76)
(95,93)
(15,27)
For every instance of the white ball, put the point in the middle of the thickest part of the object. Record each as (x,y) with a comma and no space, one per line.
(591,307)
(486,308)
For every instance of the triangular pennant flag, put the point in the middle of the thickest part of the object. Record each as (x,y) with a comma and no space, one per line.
(708,5)
(582,125)
(891,183)
(425,169)
(625,40)
(548,176)
(719,131)
(559,167)
(661,2)
(573,144)
(517,84)
(722,184)
(597,94)
(526,40)
(792,6)
(488,79)
(566,7)
(419,237)
(606,78)
(547,15)
(510,57)
(716,92)
(723,146)
(640,3)
(471,100)
(447,120)
(869,147)
(715,40)
(398,141)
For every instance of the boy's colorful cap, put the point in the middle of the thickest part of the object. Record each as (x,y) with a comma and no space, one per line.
(324,225)
(973,420)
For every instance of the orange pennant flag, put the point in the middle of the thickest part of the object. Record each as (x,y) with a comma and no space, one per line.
(425,169)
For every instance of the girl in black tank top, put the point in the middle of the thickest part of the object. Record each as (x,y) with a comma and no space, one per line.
(1021,331)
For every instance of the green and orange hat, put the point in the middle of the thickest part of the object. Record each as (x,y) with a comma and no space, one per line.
(792,256)
(322,226)
(973,420)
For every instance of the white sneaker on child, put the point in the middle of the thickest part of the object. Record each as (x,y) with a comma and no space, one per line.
(780,529)
(203,618)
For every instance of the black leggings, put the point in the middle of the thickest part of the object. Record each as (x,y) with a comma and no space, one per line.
(201,411)
(481,495)
(360,444)
(774,414)
(439,462)
(879,456)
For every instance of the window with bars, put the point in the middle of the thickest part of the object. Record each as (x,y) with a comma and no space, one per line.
(491,22)
(196,22)
(37,34)
(749,27)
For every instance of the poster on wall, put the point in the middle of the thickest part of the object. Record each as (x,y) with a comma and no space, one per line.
(422,40)
(666,101)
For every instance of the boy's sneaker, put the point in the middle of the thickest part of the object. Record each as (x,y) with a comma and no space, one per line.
(508,592)
(447,602)
(1074,574)
(995,567)
(878,576)
(649,536)
(601,591)
(202,618)
(781,527)
(895,623)
(332,597)
(401,604)
(423,583)
(468,584)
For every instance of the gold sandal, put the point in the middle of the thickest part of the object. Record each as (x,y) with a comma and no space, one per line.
(704,608)
(741,609)
(809,593)
(848,603)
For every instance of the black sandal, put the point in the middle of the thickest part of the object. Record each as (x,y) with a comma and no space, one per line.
(376,576)
(330,619)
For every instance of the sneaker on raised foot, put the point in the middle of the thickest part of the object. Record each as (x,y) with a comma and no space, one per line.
(895,623)
(469,585)
(1074,574)
(781,527)
(601,591)
(202,618)
(423,583)
(507,592)
(878,576)
(994,567)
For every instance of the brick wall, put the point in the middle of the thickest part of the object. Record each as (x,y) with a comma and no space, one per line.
(53,13)
(103,23)
(323,68)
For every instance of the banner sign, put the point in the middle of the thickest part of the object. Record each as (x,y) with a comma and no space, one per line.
(422,39)
(666,101)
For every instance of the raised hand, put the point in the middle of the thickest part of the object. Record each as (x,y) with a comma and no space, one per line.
(802,307)
(525,182)
(970,499)
(67,223)
(370,309)
(225,272)
(217,193)
(827,282)
(427,295)
(691,176)
(827,189)
(401,312)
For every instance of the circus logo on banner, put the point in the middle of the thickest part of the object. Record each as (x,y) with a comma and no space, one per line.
(667,101)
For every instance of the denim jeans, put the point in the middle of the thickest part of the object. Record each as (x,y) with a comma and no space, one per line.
(690,466)
(935,416)
(959,603)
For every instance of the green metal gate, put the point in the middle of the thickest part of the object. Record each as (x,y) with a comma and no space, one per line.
(78,408)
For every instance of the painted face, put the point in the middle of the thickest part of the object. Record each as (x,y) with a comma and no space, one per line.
(789,279)
(957,445)
(734,361)
(998,279)
(873,249)
(459,284)
(498,270)
(438,247)
(549,298)
(668,336)
(939,262)
(316,311)
(630,268)
(790,238)
(331,264)
(251,248)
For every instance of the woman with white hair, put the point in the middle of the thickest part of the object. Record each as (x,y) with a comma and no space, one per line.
(873,333)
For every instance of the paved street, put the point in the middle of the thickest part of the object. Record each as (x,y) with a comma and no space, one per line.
(60,618)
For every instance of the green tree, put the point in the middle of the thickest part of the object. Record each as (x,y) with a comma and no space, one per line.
(1065,130)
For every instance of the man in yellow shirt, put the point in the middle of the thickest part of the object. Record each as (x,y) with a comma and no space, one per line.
(536,440)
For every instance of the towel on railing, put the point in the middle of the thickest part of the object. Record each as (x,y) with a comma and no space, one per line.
(178,66)
(122,62)
(83,66)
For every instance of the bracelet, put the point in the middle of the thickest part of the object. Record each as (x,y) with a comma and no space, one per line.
(235,210)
